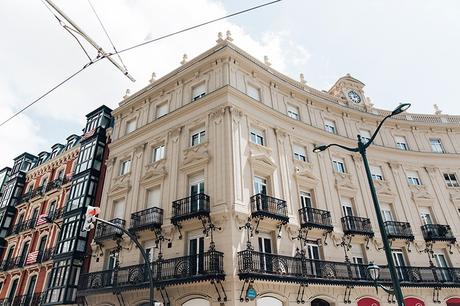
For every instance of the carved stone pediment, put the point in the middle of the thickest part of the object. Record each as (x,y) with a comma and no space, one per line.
(383,187)
(256,149)
(263,162)
(304,171)
(154,170)
(420,193)
(121,184)
(195,156)
(344,182)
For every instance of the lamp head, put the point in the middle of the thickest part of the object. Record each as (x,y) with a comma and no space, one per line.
(401,108)
(374,271)
(320,148)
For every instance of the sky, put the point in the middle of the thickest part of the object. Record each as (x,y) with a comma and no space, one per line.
(404,51)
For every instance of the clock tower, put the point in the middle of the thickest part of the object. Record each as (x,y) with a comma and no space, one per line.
(350,92)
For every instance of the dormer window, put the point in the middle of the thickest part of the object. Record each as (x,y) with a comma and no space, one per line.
(198,91)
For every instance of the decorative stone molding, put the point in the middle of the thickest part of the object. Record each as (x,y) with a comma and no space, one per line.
(175,133)
(394,165)
(431,169)
(455,196)
(304,172)
(281,133)
(383,189)
(154,171)
(420,193)
(344,182)
(217,115)
(195,156)
(121,184)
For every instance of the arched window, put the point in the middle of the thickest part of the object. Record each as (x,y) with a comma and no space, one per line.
(319,302)
(453,302)
(268,301)
(197,302)
(412,301)
(367,301)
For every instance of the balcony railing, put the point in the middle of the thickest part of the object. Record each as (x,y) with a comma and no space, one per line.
(357,226)
(25,197)
(190,207)
(45,255)
(437,232)
(22,226)
(398,230)
(38,192)
(315,218)
(55,184)
(146,219)
(13,263)
(180,270)
(55,214)
(105,231)
(23,300)
(265,206)
(300,269)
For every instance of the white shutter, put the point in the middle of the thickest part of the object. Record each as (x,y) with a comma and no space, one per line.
(119,209)
(153,197)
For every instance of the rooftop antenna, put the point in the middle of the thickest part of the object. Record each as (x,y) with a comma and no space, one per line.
(100,50)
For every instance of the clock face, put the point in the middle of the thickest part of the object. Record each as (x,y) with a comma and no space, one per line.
(354,97)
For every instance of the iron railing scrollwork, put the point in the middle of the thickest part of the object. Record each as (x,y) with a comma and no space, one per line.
(264,205)
(105,231)
(357,225)
(437,232)
(313,217)
(190,207)
(395,229)
(147,218)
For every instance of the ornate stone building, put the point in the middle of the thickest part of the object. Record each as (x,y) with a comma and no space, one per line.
(211,166)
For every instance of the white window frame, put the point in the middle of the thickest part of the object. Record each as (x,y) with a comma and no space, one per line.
(451,179)
(257,136)
(158,153)
(161,110)
(376,173)
(199,136)
(253,92)
(436,145)
(401,143)
(413,178)
(329,126)
(293,112)
(300,153)
(130,126)
(198,91)
(338,164)
(147,200)
(125,167)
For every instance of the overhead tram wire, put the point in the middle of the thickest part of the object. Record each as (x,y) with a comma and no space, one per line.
(100,56)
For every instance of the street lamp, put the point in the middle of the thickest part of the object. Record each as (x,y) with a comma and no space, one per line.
(374,270)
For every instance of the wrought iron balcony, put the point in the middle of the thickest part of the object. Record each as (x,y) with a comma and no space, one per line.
(55,184)
(302,270)
(150,218)
(437,232)
(22,226)
(23,300)
(25,197)
(55,214)
(190,207)
(166,272)
(265,206)
(398,230)
(357,226)
(12,263)
(315,218)
(38,192)
(106,232)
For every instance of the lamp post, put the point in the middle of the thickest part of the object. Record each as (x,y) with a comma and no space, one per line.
(361,149)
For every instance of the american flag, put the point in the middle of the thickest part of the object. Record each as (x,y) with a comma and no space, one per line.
(41,219)
(32,258)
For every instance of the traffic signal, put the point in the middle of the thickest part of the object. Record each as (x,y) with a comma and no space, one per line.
(90,218)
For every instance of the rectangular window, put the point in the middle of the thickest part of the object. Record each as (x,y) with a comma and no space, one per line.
(125,167)
(293,112)
(413,178)
(338,165)
(198,91)
(426,216)
(305,199)
(254,92)
(401,143)
(118,209)
(329,126)
(300,153)
(197,138)
(376,172)
(387,213)
(153,197)
(436,145)
(158,153)
(162,109)
(257,136)
(365,136)
(451,180)
(130,126)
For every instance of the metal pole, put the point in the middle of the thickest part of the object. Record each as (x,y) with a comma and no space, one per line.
(386,245)
(148,266)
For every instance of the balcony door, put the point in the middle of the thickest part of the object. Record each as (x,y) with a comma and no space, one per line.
(265,249)
(196,254)
(25,250)
(110,266)
(357,258)
(42,246)
(312,251)
(306,203)
(150,248)
(196,187)
(118,209)
(30,290)
(13,288)
(347,210)
(260,187)
(398,258)
(441,263)
(425,215)
(387,216)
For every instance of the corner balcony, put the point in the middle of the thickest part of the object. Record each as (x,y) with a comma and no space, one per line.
(263,205)
(315,218)
(107,232)
(151,218)
(166,272)
(398,230)
(194,206)
(438,232)
(302,270)
(357,226)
